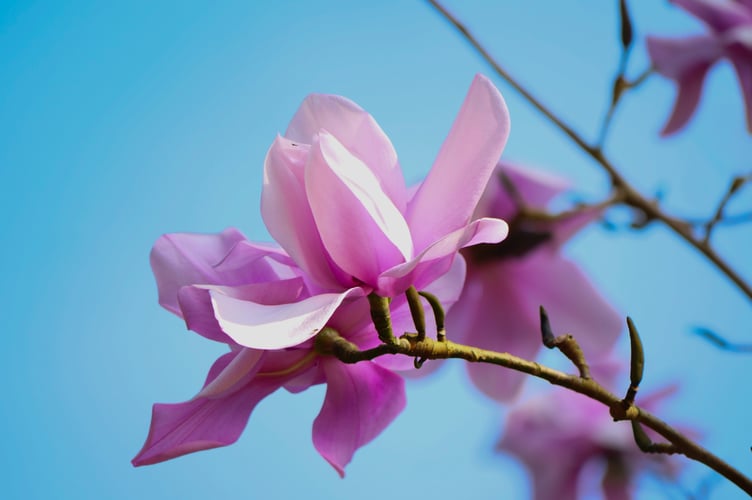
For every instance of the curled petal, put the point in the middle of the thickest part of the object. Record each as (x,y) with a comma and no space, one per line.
(200,424)
(436,259)
(181,259)
(261,326)
(357,131)
(198,312)
(360,226)
(361,400)
(448,197)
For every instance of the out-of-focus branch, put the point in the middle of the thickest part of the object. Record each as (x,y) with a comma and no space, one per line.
(631,196)
(718,217)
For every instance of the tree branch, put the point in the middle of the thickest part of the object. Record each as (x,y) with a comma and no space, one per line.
(631,196)
(329,342)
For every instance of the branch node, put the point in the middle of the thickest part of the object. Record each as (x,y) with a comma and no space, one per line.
(382,318)
(565,343)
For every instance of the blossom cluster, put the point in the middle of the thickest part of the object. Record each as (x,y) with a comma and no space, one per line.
(347,228)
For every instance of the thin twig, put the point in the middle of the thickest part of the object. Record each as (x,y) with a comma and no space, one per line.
(632,197)
(734,187)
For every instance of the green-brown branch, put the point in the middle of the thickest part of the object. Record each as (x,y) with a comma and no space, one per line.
(329,342)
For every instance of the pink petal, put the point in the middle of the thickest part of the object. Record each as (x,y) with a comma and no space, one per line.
(261,326)
(687,99)
(742,60)
(573,304)
(360,226)
(361,400)
(357,131)
(286,213)
(687,62)
(243,365)
(436,259)
(491,315)
(535,187)
(200,424)
(719,16)
(197,310)
(447,198)
(186,258)
(678,58)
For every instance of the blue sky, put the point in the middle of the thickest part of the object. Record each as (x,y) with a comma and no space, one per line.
(120,121)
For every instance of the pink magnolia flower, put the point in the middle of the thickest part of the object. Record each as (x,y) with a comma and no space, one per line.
(508,281)
(687,60)
(566,440)
(334,198)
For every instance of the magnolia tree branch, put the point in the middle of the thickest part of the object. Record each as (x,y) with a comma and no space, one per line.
(631,196)
(329,342)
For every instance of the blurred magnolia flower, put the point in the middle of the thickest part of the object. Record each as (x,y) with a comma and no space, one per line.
(508,281)
(566,440)
(334,198)
(687,60)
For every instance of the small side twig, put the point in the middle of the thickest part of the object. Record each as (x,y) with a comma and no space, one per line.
(736,184)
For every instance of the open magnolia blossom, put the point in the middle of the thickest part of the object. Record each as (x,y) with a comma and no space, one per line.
(508,281)
(566,440)
(687,60)
(334,199)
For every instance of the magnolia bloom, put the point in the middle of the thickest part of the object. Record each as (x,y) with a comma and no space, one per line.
(687,60)
(507,282)
(334,199)
(566,440)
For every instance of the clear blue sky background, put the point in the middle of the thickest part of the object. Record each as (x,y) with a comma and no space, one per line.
(120,121)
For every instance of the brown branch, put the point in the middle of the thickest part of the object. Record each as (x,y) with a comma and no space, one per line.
(329,342)
(632,197)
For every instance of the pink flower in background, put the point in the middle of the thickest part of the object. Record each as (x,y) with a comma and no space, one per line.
(567,440)
(507,282)
(687,60)
(334,198)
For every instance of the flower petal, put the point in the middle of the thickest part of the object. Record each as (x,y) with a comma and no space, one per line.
(719,16)
(535,187)
(491,315)
(181,259)
(200,424)
(436,259)
(688,97)
(361,400)
(357,131)
(239,371)
(286,213)
(447,198)
(197,310)
(361,228)
(686,61)
(572,302)
(261,326)
(741,58)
